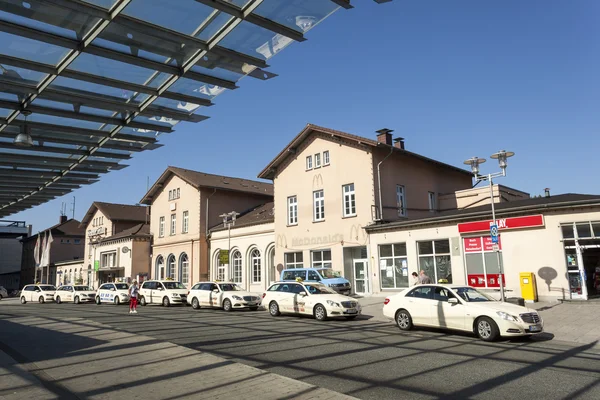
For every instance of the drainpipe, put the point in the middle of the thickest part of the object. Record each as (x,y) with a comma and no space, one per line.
(379,182)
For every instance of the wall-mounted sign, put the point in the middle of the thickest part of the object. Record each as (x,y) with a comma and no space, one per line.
(224,257)
(96,265)
(479,244)
(96,231)
(530,221)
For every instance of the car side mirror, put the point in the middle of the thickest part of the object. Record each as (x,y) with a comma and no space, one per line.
(37,290)
(453,300)
(215,291)
(113,289)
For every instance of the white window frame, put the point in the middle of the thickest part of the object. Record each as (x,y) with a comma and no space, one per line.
(256,260)
(170,195)
(432,202)
(326,158)
(292,208)
(108,259)
(237,269)
(400,200)
(318,160)
(161,227)
(178,193)
(309,164)
(295,263)
(185,223)
(323,262)
(349,200)
(185,269)
(173,230)
(319,205)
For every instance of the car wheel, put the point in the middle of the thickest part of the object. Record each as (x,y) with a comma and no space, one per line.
(320,312)
(253,308)
(350,317)
(41,300)
(143,301)
(274,309)
(487,329)
(166,302)
(76,301)
(117,301)
(195,303)
(227,305)
(98,301)
(23,301)
(404,320)
(58,300)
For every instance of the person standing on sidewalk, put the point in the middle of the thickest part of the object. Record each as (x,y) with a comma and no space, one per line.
(423,278)
(133,294)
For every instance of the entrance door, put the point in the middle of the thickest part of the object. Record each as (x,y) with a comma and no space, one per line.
(361,277)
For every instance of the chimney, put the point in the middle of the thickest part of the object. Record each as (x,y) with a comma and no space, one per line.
(63,219)
(384,136)
(547,192)
(399,143)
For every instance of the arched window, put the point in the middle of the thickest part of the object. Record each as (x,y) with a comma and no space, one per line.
(256,266)
(271,265)
(171,266)
(237,266)
(89,275)
(184,269)
(219,267)
(160,268)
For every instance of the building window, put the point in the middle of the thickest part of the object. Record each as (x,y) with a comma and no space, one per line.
(237,267)
(108,260)
(326,158)
(393,266)
(220,267)
(161,227)
(256,266)
(178,193)
(294,260)
(186,222)
(319,205)
(171,267)
(434,259)
(160,268)
(432,205)
(173,224)
(401,200)
(349,200)
(170,195)
(184,269)
(292,210)
(77,241)
(308,163)
(321,258)
(482,262)
(318,160)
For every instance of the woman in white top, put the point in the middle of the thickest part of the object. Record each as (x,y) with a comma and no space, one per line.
(133,294)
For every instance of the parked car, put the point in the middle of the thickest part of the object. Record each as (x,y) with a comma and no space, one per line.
(165,292)
(3,293)
(225,295)
(115,293)
(326,276)
(461,308)
(309,298)
(75,293)
(39,293)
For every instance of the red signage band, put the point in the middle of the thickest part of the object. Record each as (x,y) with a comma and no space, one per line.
(530,221)
(480,243)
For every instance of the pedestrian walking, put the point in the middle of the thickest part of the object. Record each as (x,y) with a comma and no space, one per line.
(133,294)
(416,279)
(423,278)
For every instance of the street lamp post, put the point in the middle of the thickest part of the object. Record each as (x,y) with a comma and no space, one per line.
(228,220)
(474,162)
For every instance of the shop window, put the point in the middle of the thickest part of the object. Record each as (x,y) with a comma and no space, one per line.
(294,260)
(434,259)
(393,266)
(481,262)
(321,258)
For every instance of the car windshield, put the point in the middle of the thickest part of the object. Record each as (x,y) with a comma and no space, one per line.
(319,289)
(121,286)
(173,285)
(82,288)
(472,295)
(329,273)
(47,287)
(230,287)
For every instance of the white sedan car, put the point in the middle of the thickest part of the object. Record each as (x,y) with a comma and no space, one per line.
(461,308)
(309,298)
(225,295)
(114,293)
(75,293)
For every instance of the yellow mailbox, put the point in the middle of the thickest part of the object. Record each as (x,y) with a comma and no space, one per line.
(528,286)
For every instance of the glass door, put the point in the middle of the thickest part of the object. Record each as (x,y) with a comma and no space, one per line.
(574,274)
(361,281)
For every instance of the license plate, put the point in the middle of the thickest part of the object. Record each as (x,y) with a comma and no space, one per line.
(535,328)
(351,311)
(251,304)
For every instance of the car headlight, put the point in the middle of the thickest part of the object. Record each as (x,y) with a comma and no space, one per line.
(174,295)
(507,316)
(333,303)
(236,297)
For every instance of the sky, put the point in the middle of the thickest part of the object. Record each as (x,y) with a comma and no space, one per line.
(456,79)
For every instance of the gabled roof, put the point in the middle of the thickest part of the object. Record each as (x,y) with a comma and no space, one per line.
(140,230)
(262,214)
(116,212)
(270,170)
(534,204)
(71,227)
(203,180)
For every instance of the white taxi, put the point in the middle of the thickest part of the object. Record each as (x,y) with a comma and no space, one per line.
(39,292)
(461,308)
(309,298)
(225,295)
(165,292)
(75,293)
(115,293)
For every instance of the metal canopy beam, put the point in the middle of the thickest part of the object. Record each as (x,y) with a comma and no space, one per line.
(44,160)
(49,166)
(343,3)
(63,150)
(45,175)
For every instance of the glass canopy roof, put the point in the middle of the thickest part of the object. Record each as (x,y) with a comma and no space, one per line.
(84,84)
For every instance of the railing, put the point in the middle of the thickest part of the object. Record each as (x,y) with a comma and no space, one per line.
(13,224)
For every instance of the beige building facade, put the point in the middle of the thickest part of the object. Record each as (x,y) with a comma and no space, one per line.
(327,190)
(184,205)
